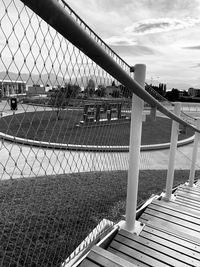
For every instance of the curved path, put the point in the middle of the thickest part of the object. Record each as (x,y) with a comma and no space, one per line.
(24,161)
(17,161)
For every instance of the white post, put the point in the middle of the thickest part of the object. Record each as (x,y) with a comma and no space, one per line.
(194,155)
(172,154)
(134,150)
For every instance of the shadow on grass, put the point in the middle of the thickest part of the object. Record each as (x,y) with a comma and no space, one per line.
(42,220)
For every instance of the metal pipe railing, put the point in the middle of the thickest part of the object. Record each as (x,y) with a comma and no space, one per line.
(55,15)
(94,34)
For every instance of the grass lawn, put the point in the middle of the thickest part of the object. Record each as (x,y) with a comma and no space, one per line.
(42,220)
(45,126)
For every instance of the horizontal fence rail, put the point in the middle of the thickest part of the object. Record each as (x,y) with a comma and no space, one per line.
(66,26)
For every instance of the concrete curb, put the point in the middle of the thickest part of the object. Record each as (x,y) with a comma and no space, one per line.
(89,147)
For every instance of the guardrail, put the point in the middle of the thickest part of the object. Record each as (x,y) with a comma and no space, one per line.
(68,28)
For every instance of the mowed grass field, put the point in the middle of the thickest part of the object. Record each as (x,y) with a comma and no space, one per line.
(45,126)
(44,219)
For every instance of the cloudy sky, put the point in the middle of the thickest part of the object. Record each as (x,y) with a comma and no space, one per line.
(163,34)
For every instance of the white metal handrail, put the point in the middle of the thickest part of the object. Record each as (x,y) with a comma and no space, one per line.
(61,21)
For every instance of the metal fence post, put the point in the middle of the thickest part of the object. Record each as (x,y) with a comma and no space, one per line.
(172,154)
(134,150)
(194,156)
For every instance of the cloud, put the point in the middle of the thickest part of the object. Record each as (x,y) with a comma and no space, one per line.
(120,41)
(196,65)
(160,25)
(135,50)
(197,47)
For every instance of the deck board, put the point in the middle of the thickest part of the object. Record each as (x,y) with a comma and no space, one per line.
(135,259)
(171,241)
(174,206)
(158,250)
(170,237)
(192,205)
(138,254)
(188,195)
(100,257)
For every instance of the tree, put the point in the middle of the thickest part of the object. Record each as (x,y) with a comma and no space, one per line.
(172,95)
(90,89)
(101,91)
(61,96)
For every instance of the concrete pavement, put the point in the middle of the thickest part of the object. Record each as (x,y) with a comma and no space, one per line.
(17,161)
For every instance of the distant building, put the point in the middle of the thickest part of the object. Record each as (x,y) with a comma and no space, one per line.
(181,94)
(36,89)
(193,92)
(9,87)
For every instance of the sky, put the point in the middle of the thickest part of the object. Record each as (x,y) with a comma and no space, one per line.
(163,34)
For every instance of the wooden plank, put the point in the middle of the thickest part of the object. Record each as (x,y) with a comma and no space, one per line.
(128,258)
(188,200)
(176,218)
(174,228)
(186,246)
(175,250)
(105,258)
(164,227)
(187,187)
(190,191)
(88,263)
(188,203)
(188,226)
(138,255)
(168,254)
(180,214)
(176,207)
(187,195)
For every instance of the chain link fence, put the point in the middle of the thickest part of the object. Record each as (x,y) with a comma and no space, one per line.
(60,114)
(64,127)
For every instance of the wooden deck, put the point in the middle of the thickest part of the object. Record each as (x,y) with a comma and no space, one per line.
(171,236)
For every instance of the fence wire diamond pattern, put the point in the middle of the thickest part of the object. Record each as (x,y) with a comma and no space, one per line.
(46,86)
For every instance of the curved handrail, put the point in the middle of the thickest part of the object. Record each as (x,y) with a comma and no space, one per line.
(62,22)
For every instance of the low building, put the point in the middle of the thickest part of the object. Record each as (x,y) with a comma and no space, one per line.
(9,87)
(36,90)
(193,92)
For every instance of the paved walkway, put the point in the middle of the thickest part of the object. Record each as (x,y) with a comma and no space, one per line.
(18,161)
(23,161)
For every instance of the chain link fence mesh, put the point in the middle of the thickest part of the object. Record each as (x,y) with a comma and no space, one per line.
(63,124)
(56,121)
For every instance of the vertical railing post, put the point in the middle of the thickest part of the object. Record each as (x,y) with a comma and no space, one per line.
(134,150)
(172,154)
(194,155)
